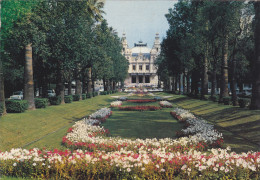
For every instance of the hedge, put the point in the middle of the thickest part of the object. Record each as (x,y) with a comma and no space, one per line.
(244,102)
(89,95)
(16,106)
(41,102)
(95,94)
(103,93)
(227,100)
(76,97)
(84,96)
(1,108)
(56,100)
(214,98)
(68,99)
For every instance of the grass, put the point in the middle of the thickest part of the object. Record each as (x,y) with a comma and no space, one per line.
(125,103)
(240,126)
(145,124)
(45,127)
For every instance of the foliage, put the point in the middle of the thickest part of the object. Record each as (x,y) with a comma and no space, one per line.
(84,96)
(89,95)
(68,99)
(16,106)
(227,100)
(56,100)
(244,102)
(41,102)
(76,97)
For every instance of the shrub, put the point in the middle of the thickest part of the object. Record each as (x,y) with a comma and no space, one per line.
(84,96)
(89,95)
(16,106)
(157,98)
(96,93)
(56,100)
(244,102)
(214,98)
(226,100)
(41,102)
(103,93)
(68,99)
(1,108)
(76,97)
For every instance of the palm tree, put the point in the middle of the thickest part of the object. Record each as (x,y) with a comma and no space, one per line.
(255,101)
(94,9)
(2,90)
(28,78)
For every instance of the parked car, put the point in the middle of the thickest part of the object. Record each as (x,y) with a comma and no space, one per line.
(18,95)
(51,93)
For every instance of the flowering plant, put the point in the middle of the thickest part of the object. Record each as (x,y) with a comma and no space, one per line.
(116,104)
(140,108)
(165,104)
(140,100)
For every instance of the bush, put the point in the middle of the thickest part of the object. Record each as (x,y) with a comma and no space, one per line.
(41,102)
(95,93)
(214,98)
(76,97)
(89,95)
(56,100)
(68,99)
(16,106)
(84,96)
(1,108)
(227,100)
(244,102)
(103,93)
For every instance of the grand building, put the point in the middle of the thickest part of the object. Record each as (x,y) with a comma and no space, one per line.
(141,71)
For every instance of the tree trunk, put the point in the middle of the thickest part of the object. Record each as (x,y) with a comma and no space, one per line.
(114,85)
(83,83)
(213,81)
(78,88)
(69,87)
(93,85)
(204,84)
(224,71)
(60,86)
(188,83)
(104,84)
(184,83)
(28,78)
(179,83)
(233,83)
(2,89)
(89,81)
(255,100)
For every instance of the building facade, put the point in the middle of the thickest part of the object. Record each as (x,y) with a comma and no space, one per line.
(141,71)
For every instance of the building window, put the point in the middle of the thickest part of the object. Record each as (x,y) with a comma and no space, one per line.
(133,79)
(133,67)
(140,67)
(140,79)
(147,79)
(147,67)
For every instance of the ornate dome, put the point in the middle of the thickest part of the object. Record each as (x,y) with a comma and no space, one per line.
(141,47)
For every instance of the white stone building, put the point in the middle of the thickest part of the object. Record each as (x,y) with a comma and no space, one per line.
(141,71)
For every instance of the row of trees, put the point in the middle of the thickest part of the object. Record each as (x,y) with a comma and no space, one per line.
(58,42)
(212,41)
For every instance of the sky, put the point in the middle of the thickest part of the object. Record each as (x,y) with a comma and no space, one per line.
(139,19)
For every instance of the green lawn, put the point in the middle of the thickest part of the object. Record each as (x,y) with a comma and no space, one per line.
(240,127)
(126,103)
(45,127)
(145,124)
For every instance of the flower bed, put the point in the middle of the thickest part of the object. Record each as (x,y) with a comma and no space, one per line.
(165,104)
(154,164)
(101,114)
(197,127)
(116,104)
(139,108)
(141,100)
(101,157)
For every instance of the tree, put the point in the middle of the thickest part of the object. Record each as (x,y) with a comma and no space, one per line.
(255,101)
(2,90)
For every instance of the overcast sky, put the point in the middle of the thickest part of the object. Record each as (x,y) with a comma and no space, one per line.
(139,19)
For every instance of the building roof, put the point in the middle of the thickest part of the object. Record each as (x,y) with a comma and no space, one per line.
(141,47)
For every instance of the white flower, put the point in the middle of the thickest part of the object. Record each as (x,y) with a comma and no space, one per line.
(128,169)
(34,164)
(14,164)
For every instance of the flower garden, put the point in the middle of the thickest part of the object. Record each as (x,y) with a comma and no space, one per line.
(93,153)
